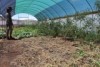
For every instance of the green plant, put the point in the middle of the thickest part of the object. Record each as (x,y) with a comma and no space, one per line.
(25,31)
(2,34)
(69,29)
(97,63)
(80,52)
(90,36)
(50,28)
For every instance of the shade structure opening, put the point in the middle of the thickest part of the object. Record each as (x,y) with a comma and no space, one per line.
(24,16)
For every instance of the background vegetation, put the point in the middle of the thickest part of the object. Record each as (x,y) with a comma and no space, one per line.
(85,29)
(78,27)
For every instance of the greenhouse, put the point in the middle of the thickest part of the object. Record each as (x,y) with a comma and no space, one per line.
(49,33)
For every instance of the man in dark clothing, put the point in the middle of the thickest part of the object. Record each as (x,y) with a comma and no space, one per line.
(9,24)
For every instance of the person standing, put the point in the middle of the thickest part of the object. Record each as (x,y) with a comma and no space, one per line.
(9,24)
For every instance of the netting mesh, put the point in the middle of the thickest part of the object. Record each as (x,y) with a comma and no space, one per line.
(48,9)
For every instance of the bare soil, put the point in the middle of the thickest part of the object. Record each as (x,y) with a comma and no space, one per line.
(45,52)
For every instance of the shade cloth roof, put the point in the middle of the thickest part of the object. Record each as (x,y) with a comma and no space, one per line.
(48,9)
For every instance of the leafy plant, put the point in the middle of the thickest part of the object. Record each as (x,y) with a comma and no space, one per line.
(97,63)
(24,31)
(80,52)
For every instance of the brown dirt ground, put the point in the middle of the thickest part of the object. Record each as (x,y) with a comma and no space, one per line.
(40,52)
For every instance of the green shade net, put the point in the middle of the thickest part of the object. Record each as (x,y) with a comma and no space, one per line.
(49,9)
(33,6)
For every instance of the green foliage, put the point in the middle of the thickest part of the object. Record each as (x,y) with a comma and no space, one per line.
(64,29)
(80,52)
(2,34)
(50,28)
(24,31)
(97,63)
(90,36)
(69,29)
(80,34)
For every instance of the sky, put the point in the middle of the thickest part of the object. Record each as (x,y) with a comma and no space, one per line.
(23,16)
